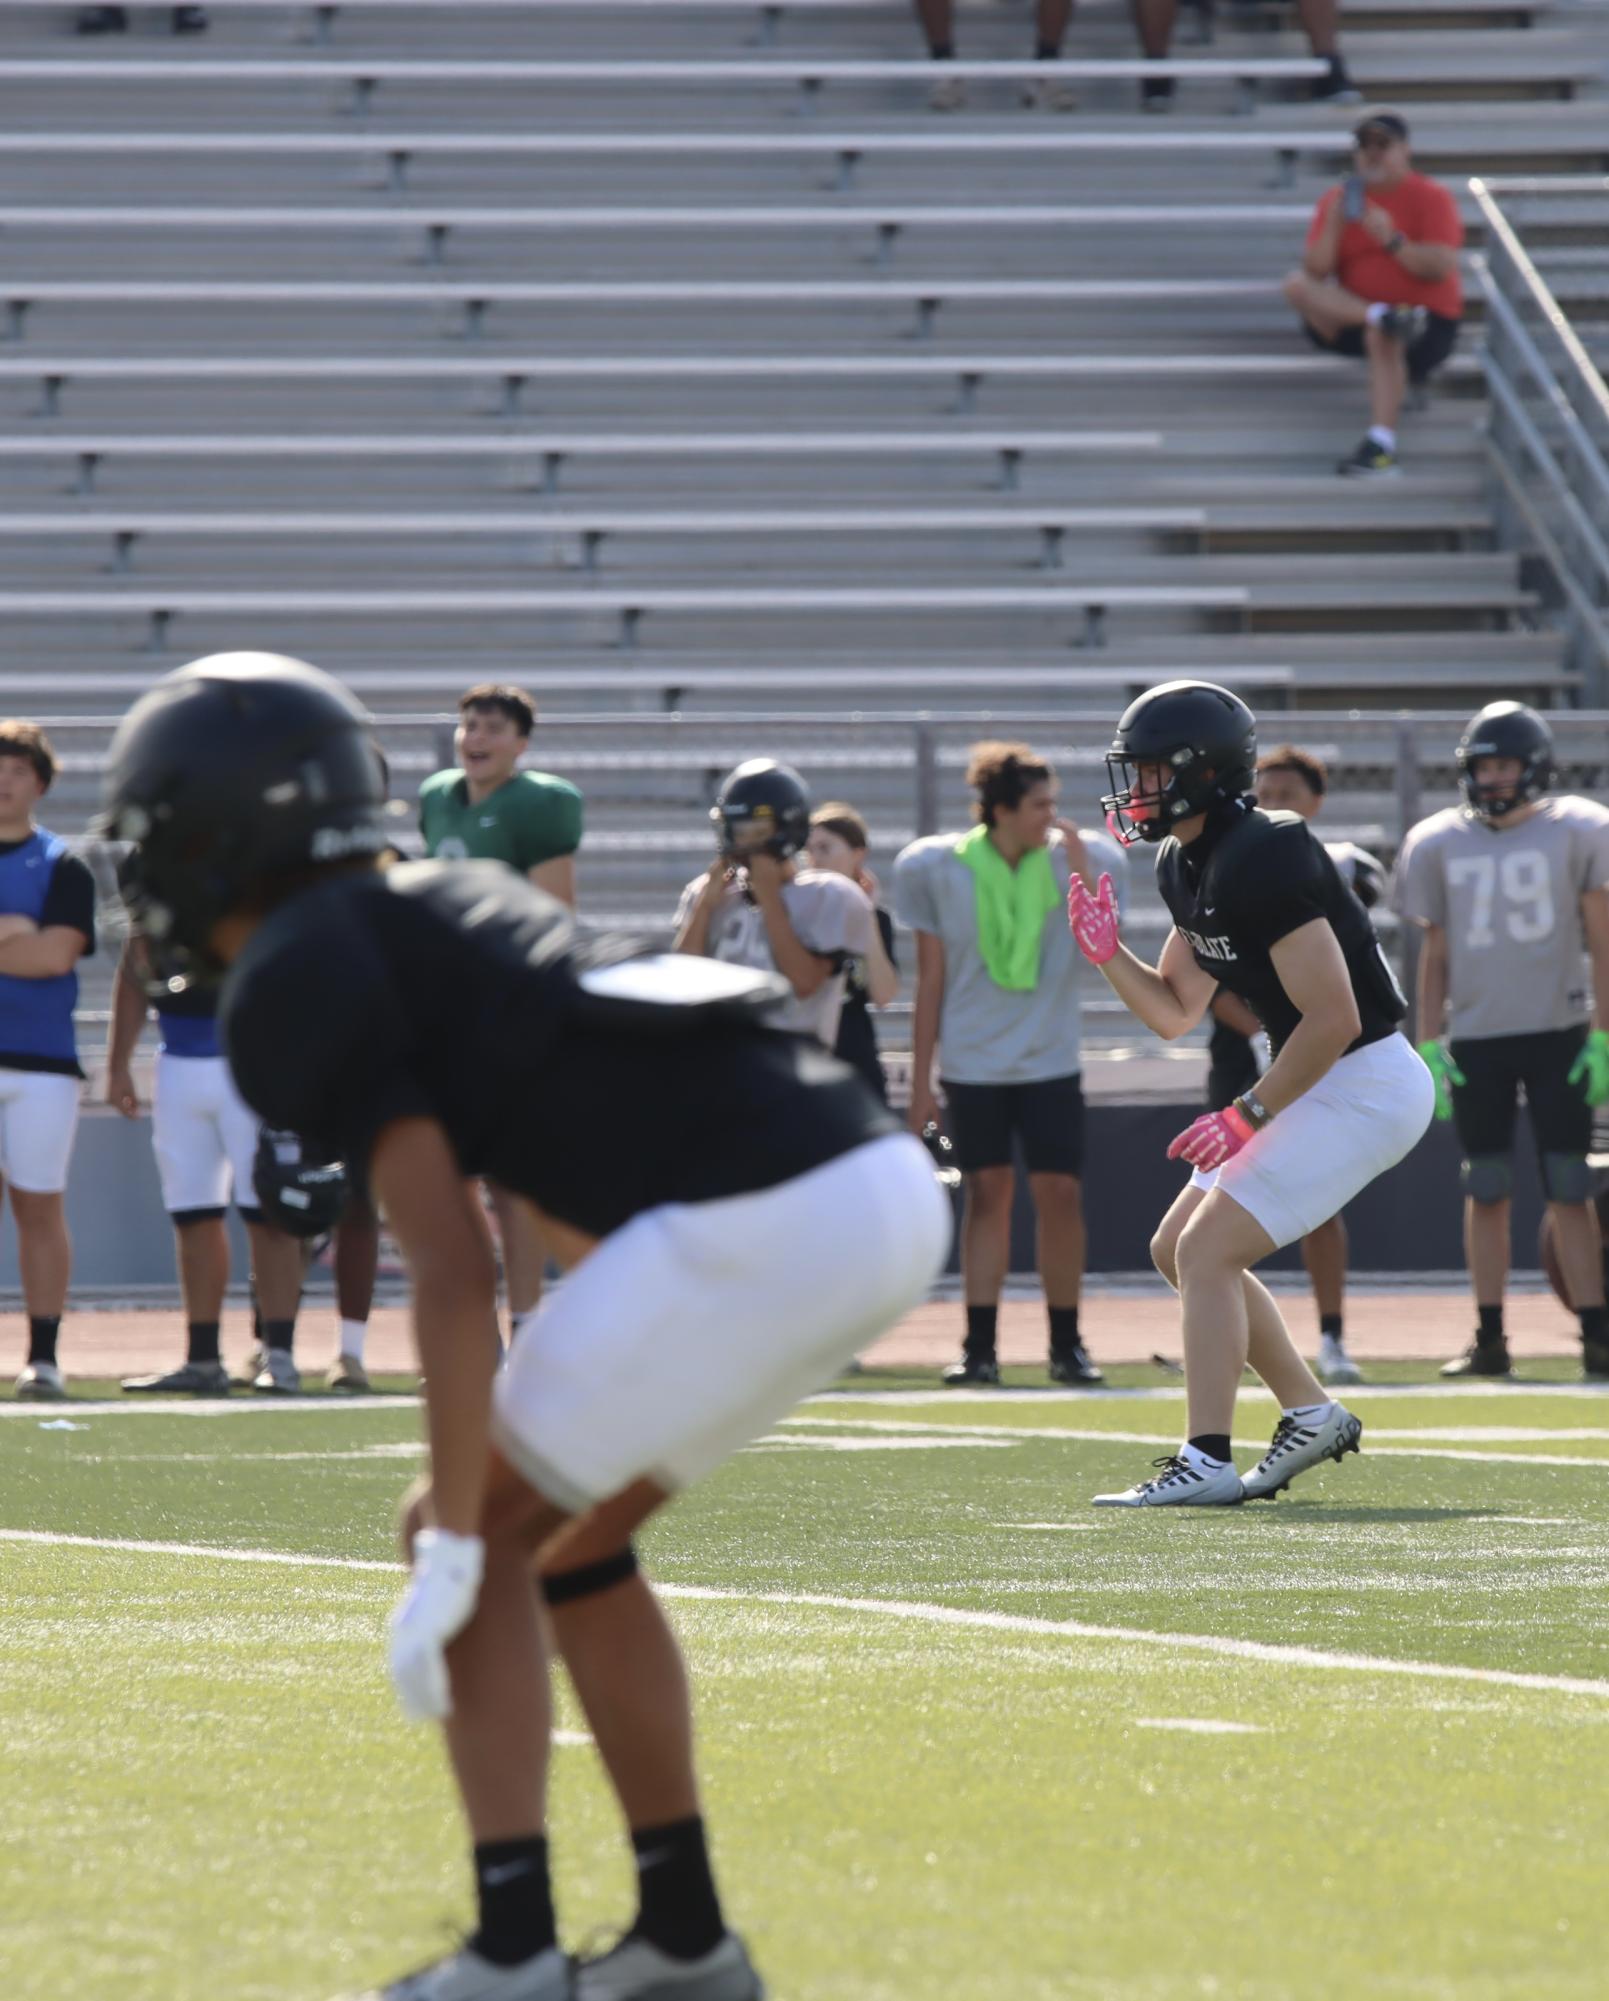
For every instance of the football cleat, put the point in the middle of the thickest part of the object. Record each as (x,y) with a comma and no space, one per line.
(467,1977)
(1180,1483)
(638,1971)
(1335,1365)
(279,1375)
(1481,1358)
(41,1382)
(1072,1365)
(1299,1445)
(251,1368)
(1595,1360)
(972,1369)
(190,1379)
(347,1374)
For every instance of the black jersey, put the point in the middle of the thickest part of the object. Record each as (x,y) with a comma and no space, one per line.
(451,990)
(1248,880)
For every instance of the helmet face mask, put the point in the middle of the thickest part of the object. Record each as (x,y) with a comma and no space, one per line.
(1510,731)
(761,808)
(1200,735)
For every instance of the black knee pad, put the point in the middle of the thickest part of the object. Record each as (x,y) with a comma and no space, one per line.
(570,1585)
(1567,1177)
(1489,1177)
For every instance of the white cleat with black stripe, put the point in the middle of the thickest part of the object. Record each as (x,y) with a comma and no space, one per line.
(1303,1439)
(1185,1479)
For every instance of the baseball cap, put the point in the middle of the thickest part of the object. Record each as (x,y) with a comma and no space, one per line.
(1391,122)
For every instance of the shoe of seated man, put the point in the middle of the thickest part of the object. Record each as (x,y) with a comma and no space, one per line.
(1404,323)
(1336,85)
(190,20)
(1186,1479)
(101,21)
(190,1379)
(1301,1442)
(1369,460)
(1335,1365)
(1049,93)
(348,1375)
(41,1382)
(279,1375)
(637,1971)
(948,94)
(465,1976)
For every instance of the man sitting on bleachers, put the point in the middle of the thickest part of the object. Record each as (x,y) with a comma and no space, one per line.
(1379,279)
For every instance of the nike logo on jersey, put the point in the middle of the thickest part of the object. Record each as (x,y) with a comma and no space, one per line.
(1209,948)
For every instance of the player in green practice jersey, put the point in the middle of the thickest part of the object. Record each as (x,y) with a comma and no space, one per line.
(490,810)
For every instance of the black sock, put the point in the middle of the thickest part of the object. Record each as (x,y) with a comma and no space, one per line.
(515,1898)
(1047,52)
(202,1337)
(1063,1328)
(1489,1331)
(279,1334)
(981,1323)
(1330,1323)
(1214,1443)
(942,52)
(256,1321)
(1594,1324)
(42,1331)
(679,1910)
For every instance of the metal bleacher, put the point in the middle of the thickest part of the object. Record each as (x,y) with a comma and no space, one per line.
(679,360)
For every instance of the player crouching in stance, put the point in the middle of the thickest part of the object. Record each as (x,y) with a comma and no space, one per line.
(462,1029)
(1258,908)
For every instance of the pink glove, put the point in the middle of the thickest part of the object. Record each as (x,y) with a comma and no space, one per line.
(1214,1138)
(1093,919)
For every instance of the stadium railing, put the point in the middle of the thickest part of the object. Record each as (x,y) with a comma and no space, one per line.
(1548,431)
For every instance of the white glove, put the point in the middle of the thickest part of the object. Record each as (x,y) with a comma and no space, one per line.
(440,1600)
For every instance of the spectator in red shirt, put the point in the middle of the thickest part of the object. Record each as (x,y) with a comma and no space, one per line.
(1379,278)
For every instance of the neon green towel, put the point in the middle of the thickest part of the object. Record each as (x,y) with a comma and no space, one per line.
(1012,904)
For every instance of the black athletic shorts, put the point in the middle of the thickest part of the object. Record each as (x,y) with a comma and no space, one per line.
(1425,355)
(1047,1119)
(1495,1067)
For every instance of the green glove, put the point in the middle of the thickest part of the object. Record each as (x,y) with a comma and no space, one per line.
(1592,1065)
(1446,1075)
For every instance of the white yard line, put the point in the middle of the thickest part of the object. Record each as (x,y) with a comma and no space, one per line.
(243,1406)
(1199,1726)
(1174,1393)
(1264,1652)
(1167,1439)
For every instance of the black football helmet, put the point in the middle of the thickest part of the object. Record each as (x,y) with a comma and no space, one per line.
(1206,737)
(299,1194)
(761,808)
(228,774)
(1506,729)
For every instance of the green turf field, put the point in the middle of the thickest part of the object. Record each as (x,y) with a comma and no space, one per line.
(963,1737)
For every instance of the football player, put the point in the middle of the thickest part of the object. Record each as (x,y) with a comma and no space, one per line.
(755,906)
(205,1139)
(463,1029)
(1257,907)
(1510,888)
(486,806)
(1291,780)
(47,924)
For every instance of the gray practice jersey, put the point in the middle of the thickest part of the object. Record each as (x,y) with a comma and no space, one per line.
(830,915)
(1509,901)
(987,1034)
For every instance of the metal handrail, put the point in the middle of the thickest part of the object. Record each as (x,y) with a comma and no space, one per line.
(1550,494)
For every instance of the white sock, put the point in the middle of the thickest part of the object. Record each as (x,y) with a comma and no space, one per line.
(1376,313)
(352,1337)
(1310,1413)
(1192,1455)
(1384,437)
